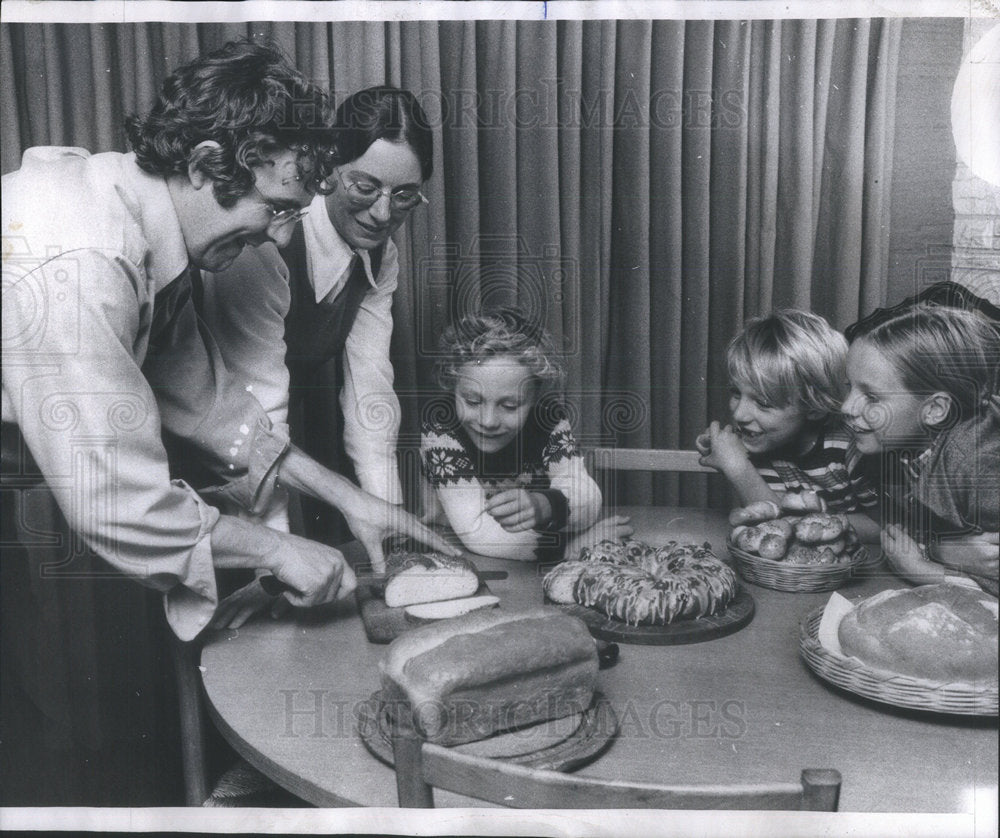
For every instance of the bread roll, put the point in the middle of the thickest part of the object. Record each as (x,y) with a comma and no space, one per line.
(936,632)
(812,554)
(490,670)
(768,538)
(819,528)
(761,510)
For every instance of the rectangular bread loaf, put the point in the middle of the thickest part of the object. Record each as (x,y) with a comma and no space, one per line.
(467,678)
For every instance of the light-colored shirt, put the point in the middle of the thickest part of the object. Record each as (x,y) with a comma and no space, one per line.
(245,307)
(88,243)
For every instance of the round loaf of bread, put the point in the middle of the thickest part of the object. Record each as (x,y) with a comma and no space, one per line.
(674,582)
(945,633)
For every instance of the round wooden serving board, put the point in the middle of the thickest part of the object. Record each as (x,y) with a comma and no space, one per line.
(557,744)
(737,615)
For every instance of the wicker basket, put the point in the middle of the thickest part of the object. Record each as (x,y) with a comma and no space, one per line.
(799,578)
(899,690)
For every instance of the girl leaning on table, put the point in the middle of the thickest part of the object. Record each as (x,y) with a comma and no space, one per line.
(502,468)
(924,398)
(788,445)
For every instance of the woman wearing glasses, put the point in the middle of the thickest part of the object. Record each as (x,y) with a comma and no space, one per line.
(328,298)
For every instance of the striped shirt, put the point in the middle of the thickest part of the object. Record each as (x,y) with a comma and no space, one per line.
(831,468)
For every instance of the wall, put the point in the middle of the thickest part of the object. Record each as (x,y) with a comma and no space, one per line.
(923,218)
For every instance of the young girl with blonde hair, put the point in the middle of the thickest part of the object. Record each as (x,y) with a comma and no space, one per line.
(924,397)
(502,462)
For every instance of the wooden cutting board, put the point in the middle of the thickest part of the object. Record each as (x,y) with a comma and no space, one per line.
(736,616)
(382,623)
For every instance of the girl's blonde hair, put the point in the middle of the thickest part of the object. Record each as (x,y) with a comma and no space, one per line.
(791,357)
(505,333)
(942,349)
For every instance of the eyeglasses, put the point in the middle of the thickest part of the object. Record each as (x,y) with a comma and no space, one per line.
(364,193)
(280,217)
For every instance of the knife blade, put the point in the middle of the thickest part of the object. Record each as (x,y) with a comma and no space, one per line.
(273,586)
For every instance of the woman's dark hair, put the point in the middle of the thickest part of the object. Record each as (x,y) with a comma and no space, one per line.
(251,101)
(384,113)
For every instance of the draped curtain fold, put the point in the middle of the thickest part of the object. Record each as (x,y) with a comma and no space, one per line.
(640,186)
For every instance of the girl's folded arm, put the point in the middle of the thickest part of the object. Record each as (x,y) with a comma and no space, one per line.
(583,495)
(464,503)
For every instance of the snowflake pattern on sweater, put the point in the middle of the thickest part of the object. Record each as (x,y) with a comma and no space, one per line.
(542,458)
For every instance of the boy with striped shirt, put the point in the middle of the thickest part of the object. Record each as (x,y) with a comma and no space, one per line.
(787,442)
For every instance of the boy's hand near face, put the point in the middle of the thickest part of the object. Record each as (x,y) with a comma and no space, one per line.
(721,449)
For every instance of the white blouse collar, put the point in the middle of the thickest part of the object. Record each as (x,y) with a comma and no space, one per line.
(328,256)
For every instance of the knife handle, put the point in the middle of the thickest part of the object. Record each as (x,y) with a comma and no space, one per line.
(273,586)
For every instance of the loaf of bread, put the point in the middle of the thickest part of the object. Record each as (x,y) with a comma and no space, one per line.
(428,577)
(939,632)
(490,670)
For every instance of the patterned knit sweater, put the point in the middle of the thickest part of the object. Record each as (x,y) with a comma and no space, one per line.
(542,458)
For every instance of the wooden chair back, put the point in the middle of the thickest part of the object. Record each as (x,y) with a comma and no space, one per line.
(646,459)
(421,767)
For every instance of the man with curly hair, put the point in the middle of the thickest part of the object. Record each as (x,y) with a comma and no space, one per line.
(104,355)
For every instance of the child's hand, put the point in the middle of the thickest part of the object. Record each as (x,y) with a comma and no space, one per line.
(612,528)
(721,449)
(518,510)
(244,603)
(907,557)
(975,554)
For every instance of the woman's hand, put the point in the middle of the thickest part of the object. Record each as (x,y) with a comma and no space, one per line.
(907,557)
(372,520)
(246,602)
(518,510)
(721,449)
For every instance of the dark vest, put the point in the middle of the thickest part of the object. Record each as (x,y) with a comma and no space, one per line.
(315,333)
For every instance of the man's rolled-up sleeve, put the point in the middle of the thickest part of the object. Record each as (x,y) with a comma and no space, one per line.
(72,383)
(215,410)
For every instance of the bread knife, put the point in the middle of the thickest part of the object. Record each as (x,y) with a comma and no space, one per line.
(273,586)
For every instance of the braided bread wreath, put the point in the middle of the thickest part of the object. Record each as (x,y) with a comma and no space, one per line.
(642,585)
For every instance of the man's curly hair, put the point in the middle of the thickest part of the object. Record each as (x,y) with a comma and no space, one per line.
(251,101)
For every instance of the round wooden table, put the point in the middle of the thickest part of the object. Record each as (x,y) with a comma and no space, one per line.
(737,709)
